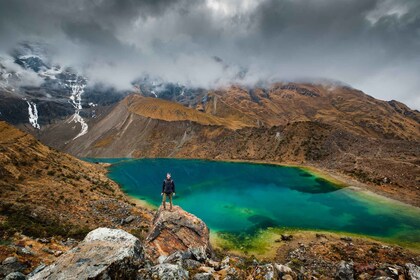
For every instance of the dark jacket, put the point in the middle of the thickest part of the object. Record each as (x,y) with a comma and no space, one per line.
(168,186)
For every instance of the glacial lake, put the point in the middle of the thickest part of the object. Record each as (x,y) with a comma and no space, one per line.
(245,198)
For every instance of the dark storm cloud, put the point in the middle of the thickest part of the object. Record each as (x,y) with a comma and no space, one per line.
(372,45)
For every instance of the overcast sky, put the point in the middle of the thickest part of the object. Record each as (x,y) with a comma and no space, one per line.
(372,45)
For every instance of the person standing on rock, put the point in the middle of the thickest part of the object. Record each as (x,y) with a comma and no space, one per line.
(168,190)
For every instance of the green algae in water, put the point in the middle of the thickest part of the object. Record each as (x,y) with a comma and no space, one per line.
(241,199)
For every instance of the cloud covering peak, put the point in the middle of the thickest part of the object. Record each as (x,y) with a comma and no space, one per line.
(373,45)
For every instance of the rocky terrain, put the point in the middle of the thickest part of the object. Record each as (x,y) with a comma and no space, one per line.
(48,197)
(115,254)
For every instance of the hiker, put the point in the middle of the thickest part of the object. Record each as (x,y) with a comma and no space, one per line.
(168,189)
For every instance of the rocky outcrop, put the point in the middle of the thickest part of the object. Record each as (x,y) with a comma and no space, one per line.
(178,230)
(103,254)
(115,254)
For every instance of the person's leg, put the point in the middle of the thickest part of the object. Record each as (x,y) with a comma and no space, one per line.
(170,200)
(164,200)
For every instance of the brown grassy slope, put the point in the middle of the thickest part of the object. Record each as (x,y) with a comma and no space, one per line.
(348,108)
(170,111)
(46,193)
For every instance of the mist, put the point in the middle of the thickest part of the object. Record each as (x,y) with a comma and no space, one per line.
(372,45)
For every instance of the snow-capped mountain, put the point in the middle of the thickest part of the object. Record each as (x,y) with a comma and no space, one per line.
(36,92)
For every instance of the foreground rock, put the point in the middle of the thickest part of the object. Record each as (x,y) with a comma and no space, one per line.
(103,254)
(178,230)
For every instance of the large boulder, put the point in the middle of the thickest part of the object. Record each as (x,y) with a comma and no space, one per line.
(103,254)
(178,230)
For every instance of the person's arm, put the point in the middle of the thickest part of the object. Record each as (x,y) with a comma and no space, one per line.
(163,186)
(173,186)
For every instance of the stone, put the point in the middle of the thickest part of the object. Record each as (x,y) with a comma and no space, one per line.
(392,270)
(9,260)
(48,250)
(25,251)
(161,259)
(199,253)
(206,269)
(9,265)
(174,258)
(230,273)
(44,240)
(191,264)
(266,272)
(178,230)
(58,253)
(364,276)
(129,219)
(70,242)
(15,276)
(286,237)
(164,271)
(346,238)
(203,276)
(103,254)
(225,262)
(413,271)
(282,269)
(345,271)
(213,263)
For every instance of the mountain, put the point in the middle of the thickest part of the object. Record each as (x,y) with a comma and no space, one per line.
(48,198)
(45,193)
(331,127)
(35,92)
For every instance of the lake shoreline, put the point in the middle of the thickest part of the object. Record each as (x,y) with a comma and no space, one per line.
(336,180)
(339,179)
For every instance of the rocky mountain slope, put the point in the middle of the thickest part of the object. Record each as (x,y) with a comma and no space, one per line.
(45,193)
(330,127)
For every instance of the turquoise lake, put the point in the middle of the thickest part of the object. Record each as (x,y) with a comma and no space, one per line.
(244,198)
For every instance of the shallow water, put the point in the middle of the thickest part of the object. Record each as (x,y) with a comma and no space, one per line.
(243,198)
